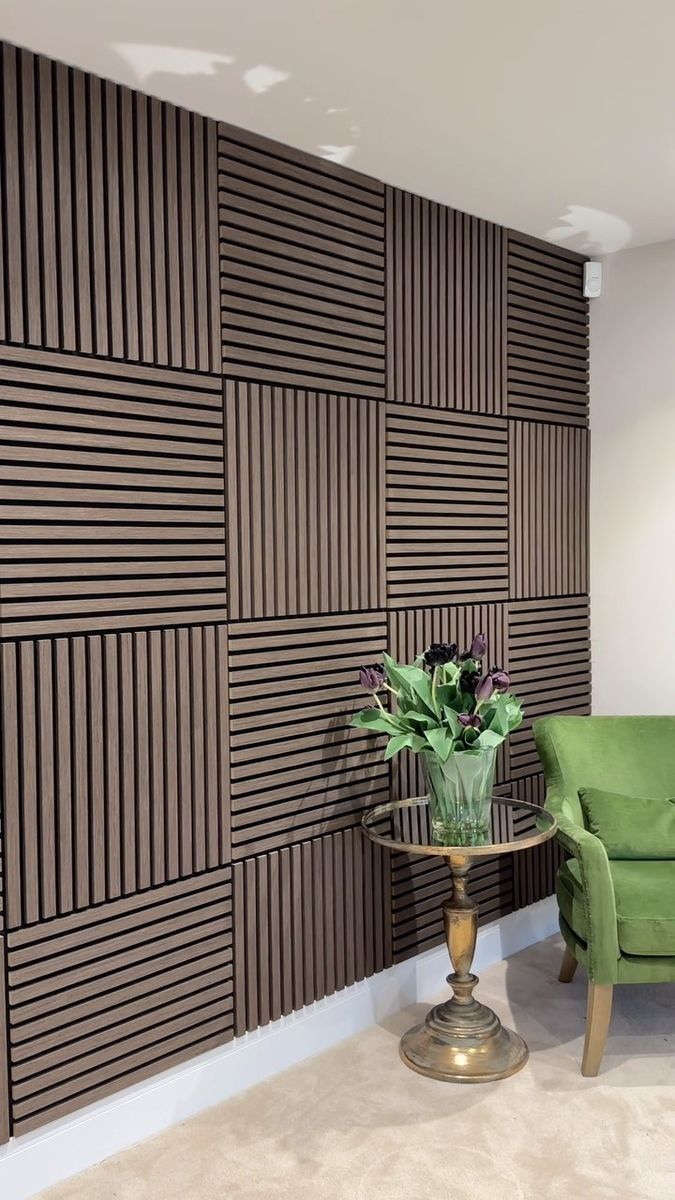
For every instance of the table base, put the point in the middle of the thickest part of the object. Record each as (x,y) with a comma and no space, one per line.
(463,1041)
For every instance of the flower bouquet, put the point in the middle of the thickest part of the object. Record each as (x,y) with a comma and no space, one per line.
(454,714)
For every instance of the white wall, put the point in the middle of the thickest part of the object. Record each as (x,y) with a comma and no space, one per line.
(633,483)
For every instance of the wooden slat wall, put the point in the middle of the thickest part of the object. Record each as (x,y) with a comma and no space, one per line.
(447,514)
(548,483)
(547,332)
(305,501)
(104,999)
(115,765)
(110,219)
(297,768)
(312,919)
(549,656)
(445,307)
(111,495)
(302,246)
(261,417)
(5,1112)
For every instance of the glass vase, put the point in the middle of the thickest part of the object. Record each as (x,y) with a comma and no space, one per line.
(460,796)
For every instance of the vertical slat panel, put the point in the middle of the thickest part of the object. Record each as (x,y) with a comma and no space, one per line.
(115,766)
(444,320)
(548,467)
(320,487)
(309,920)
(87,267)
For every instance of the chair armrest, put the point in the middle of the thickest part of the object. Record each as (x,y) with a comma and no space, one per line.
(598,889)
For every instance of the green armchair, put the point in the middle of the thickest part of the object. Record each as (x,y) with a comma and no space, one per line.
(617,917)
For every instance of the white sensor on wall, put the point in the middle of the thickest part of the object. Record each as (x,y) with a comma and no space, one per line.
(592,280)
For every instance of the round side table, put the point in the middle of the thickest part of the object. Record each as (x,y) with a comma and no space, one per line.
(461,1040)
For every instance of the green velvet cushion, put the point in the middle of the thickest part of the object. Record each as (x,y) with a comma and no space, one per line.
(645,904)
(630,827)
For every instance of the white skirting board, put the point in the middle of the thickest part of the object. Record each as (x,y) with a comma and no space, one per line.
(37,1160)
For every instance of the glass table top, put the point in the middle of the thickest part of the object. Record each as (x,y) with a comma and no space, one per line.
(405,825)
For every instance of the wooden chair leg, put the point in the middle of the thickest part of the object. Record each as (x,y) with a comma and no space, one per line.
(568,966)
(598,1013)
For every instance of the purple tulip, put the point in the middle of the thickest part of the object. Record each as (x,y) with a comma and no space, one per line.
(485,688)
(478,646)
(500,680)
(470,720)
(371,678)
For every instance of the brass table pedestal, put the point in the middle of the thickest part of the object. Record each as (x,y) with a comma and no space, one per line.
(462,1040)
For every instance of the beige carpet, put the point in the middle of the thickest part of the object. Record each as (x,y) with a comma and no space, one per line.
(355,1124)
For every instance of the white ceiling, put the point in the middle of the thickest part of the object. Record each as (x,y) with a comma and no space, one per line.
(556,118)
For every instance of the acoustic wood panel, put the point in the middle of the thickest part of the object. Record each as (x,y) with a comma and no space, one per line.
(102,999)
(549,661)
(547,332)
(419,887)
(109,219)
(4,1049)
(115,765)
(111,495)
(445,307)
(305,501)
(312,919)
(297,768)
(447,515)
(222,359)
(534,870)
(548,530)
(302,261)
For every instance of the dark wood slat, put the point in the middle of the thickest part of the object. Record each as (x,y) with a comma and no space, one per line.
(295,238)
(98,208)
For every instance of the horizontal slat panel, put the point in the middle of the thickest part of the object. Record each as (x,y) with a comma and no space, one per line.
(534,870)
(419,887)
(446,475)
(549,663)
(160,990)
(300,243)
(547,332)
(297,769)
(91,465)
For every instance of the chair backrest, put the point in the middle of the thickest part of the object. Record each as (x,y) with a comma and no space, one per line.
(631,755)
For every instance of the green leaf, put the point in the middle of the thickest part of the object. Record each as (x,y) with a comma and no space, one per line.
(498,719)
(420,684)
(440,741)
(402,740)
(421,718)
(446,693)
(514,712)
(452,719)
(395,676)
(451,673)
(379,722)
(489,738)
